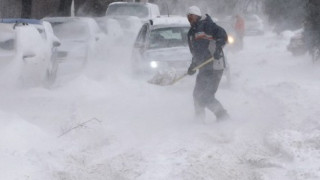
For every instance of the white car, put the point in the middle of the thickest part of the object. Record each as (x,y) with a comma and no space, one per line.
(144,11)
(78,36)
(162,45)
(131,16)
(29,46)
(254,25)
(110,27)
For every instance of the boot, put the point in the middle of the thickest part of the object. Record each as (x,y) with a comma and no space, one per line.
(222,116)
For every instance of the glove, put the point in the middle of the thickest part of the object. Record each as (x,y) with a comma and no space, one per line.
(217,53)
(190,69)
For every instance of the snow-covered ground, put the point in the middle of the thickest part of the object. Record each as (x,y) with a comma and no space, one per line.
(103,123)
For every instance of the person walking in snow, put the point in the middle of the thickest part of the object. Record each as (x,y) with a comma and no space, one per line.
(202,33)
(239,28)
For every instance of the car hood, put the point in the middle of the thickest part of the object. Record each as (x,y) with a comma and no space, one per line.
(169,54)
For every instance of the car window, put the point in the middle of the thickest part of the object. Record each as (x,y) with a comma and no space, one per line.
(71,30)
(168,37)
(138,10)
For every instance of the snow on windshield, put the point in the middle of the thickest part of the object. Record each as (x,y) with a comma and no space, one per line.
(140,11)
(168,37)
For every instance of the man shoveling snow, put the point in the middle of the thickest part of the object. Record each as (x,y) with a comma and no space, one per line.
(201,35)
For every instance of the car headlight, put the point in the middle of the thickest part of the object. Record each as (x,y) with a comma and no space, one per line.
(230,39)
(154,64)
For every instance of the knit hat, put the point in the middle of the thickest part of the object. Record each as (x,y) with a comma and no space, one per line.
(194,10)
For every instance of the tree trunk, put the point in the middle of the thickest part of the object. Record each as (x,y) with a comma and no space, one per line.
(91,7)
(312,24)
(26,11)
(65,8)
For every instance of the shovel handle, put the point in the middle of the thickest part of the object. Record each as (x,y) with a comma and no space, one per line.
(179,78)
(194,69)
(203,64)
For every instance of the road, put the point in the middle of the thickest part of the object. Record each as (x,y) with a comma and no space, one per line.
(103,123)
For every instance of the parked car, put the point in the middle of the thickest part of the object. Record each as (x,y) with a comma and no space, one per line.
(253,25)
(162,44)
(144,11)
(297,46)
(78,35)
(131,16)
(123,29)
(29,46)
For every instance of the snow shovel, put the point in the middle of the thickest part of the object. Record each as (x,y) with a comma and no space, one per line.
(169,78)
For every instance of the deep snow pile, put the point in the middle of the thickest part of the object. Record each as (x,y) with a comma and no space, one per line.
(106,124)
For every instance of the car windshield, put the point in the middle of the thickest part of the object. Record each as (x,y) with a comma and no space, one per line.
(168,37)
(71,30)
(138,10)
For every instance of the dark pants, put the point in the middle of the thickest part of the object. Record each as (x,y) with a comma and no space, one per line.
(204,92)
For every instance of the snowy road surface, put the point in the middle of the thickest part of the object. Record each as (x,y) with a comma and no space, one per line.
(134,130)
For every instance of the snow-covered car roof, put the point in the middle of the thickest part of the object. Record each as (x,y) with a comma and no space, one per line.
(170,21)
(133,3)
(92,24)
(19,20)
(139,9)
(65,19)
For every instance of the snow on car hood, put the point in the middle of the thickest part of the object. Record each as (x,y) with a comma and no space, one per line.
(169,54)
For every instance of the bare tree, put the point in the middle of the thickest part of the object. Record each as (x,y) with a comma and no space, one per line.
(90,7)
(312,24)
(65,8)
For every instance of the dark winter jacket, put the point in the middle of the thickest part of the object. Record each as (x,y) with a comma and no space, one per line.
(199,37)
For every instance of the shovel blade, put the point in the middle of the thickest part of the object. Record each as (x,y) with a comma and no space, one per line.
(164,78)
